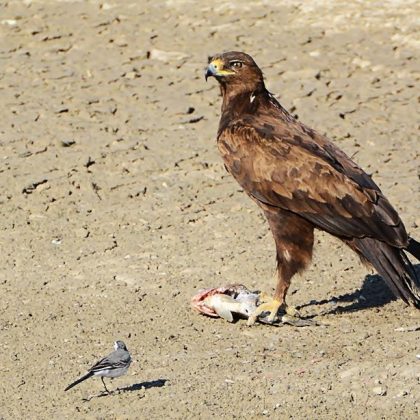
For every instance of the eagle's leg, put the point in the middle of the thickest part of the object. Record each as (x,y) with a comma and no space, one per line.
(294,238)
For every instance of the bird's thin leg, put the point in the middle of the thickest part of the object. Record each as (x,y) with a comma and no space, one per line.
(106,389)
(294,242)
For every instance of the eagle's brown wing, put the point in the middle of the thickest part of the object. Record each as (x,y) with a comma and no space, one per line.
(293,168)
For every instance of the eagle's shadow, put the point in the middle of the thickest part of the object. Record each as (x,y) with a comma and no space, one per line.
(374,292)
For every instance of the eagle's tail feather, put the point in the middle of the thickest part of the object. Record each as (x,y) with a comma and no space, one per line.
(414,248)
(394,267)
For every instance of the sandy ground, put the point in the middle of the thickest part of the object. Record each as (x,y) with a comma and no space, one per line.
(115,209)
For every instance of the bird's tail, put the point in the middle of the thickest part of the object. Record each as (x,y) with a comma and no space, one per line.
(83,378)
(394,267)
(414,248)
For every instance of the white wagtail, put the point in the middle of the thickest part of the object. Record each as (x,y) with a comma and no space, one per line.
(112,366)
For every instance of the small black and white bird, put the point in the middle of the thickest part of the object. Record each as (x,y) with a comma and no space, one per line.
(112,366)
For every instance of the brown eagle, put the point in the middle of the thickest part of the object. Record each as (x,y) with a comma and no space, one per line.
(302,181)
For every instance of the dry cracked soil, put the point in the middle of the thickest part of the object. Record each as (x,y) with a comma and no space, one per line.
(115,209)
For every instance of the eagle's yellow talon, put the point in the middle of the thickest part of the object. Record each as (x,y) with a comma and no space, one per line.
(264,297)
(292,311)
(268,305)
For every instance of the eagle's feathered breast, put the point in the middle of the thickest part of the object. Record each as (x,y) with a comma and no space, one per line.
(284,164)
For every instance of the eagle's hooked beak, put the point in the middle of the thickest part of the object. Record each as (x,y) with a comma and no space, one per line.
(216,69)
(210,71)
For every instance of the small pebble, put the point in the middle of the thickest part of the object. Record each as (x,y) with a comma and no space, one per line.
(10,22)
(67,143)
(379,390)
(402,393)
(130,75)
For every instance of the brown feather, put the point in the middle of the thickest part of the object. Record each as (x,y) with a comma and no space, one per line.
(295,174)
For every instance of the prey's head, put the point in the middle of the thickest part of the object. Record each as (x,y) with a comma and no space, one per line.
(119,345)
(235,68)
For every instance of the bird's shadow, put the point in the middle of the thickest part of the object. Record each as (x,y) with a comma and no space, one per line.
(158,383)
(373,293)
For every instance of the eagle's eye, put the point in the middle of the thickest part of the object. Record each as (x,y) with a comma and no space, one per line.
(236,64)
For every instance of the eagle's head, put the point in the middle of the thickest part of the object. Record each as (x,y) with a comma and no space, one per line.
(236,70)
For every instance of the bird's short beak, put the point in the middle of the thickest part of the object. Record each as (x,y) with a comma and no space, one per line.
(216,69)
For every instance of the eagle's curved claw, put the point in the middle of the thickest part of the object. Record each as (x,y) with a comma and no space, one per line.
(273,306)
(269,305)
(292,311)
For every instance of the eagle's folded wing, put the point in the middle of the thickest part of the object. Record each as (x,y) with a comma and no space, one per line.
(306,174)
